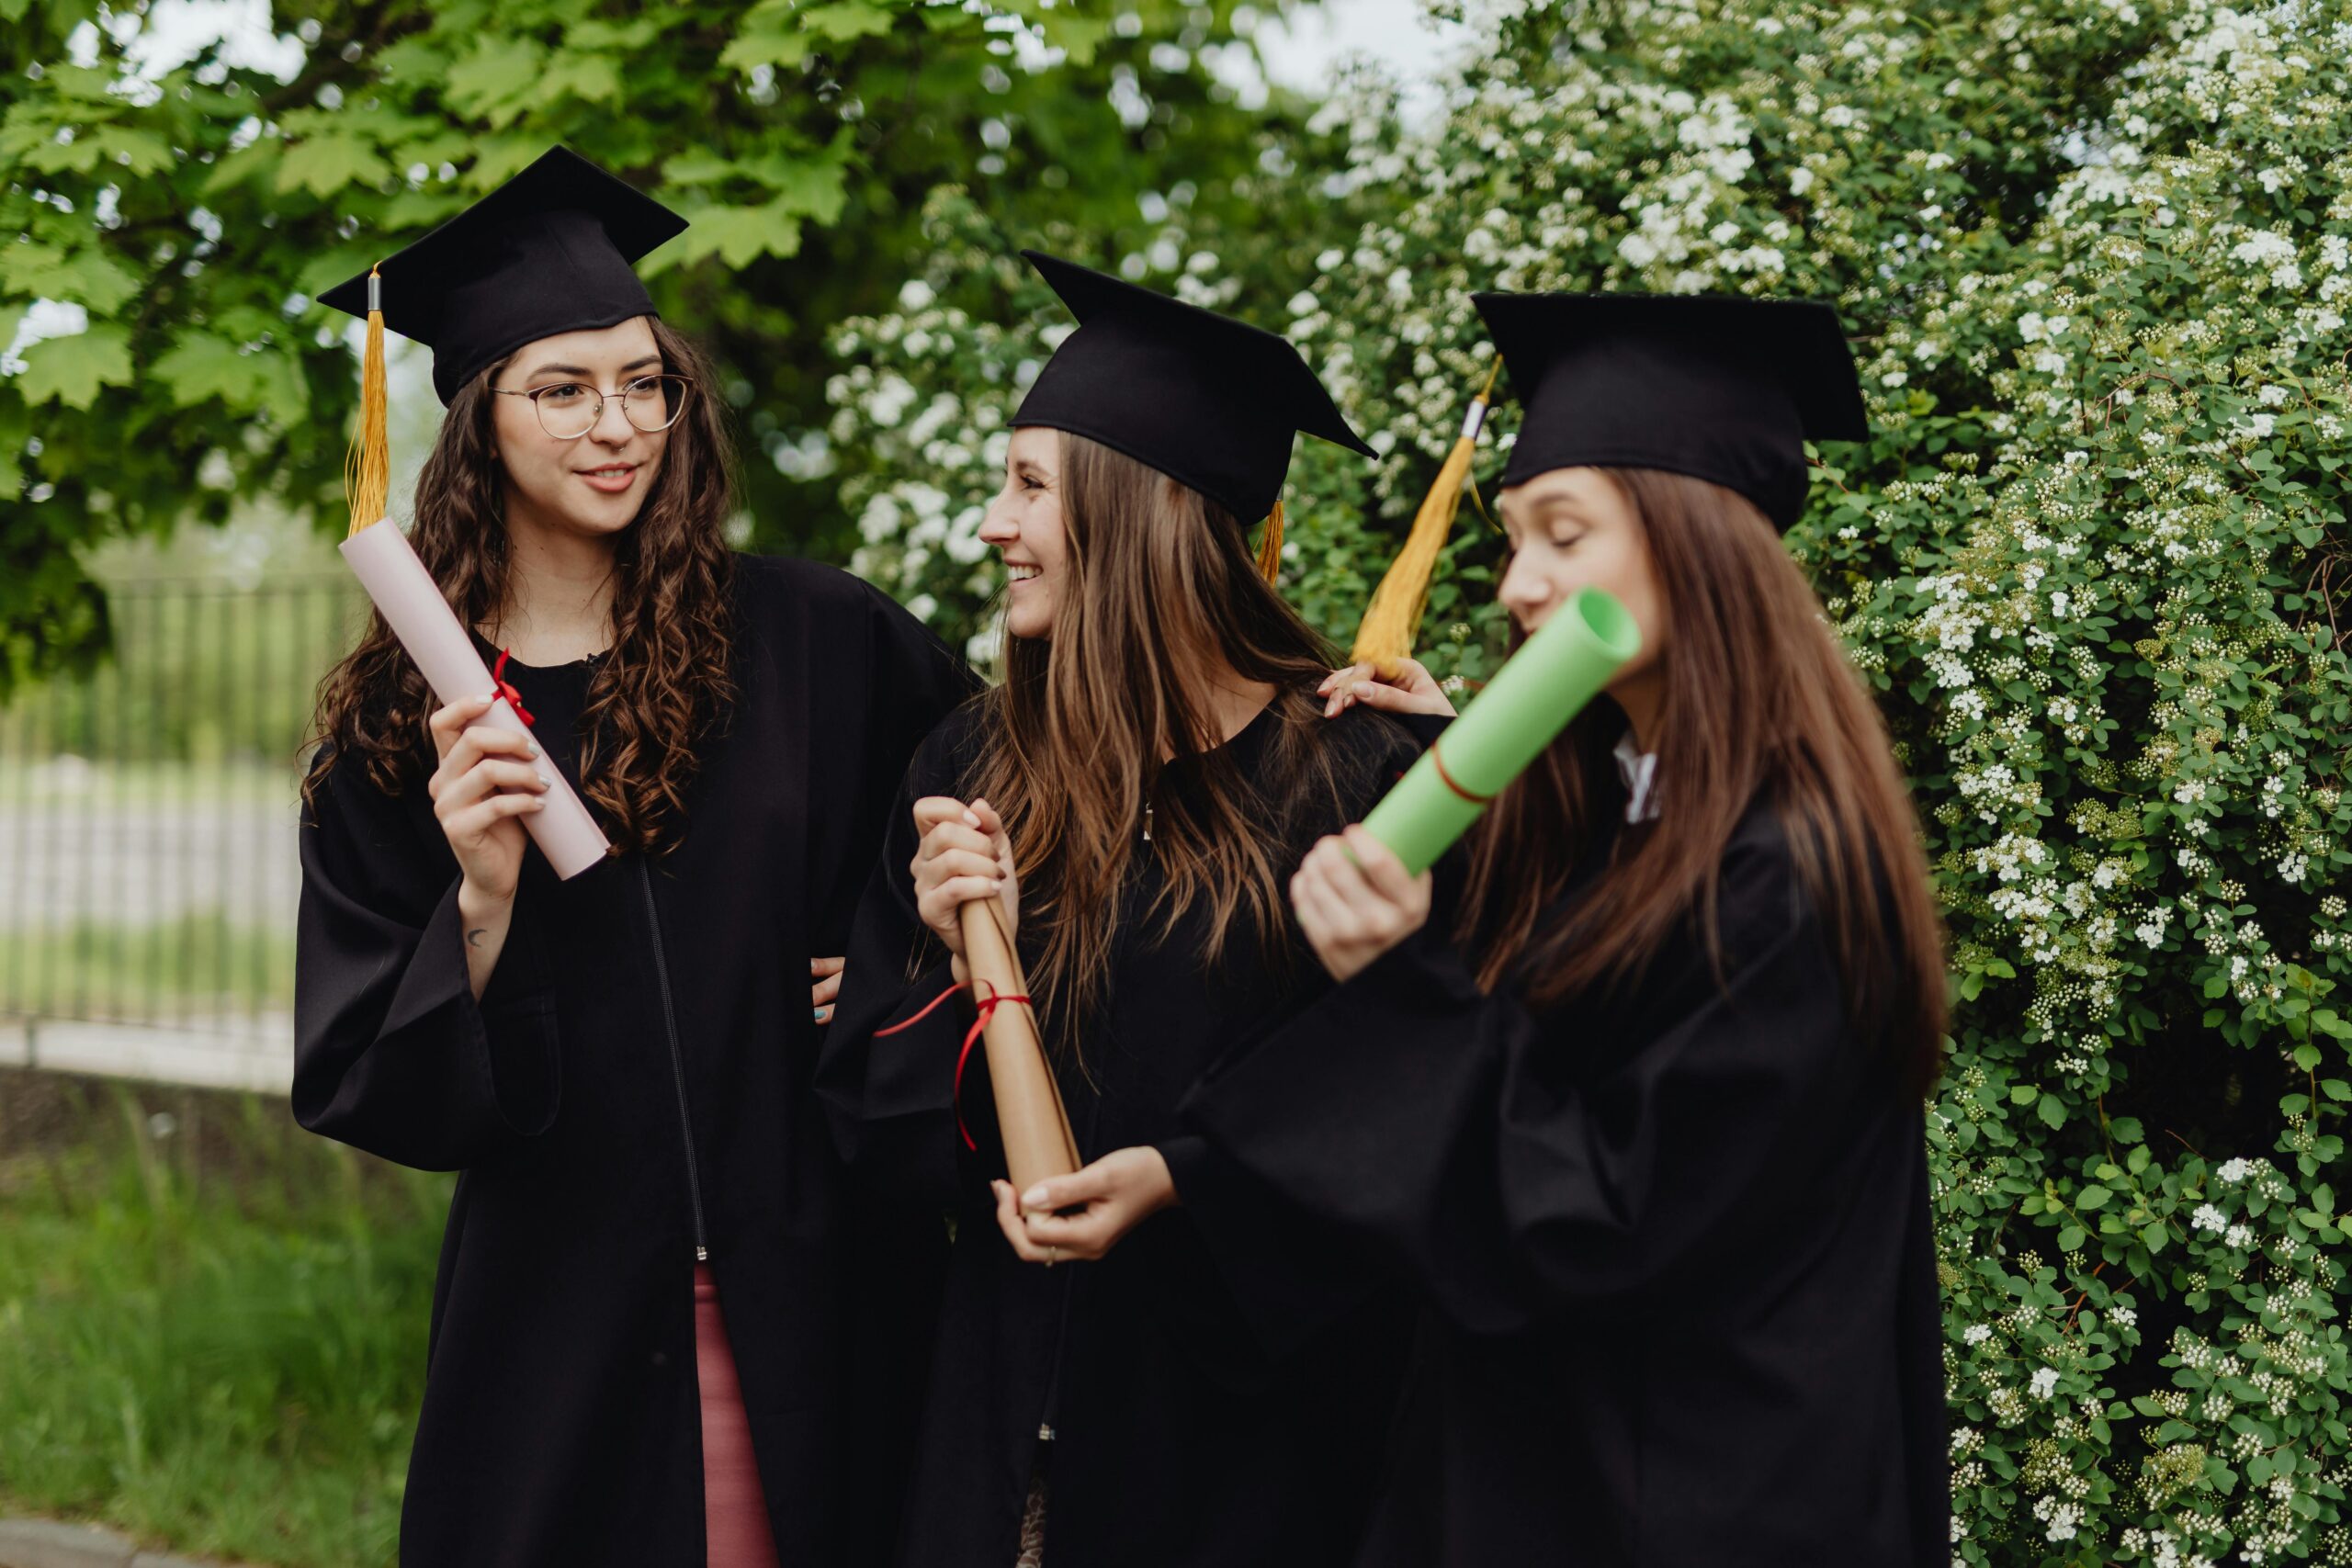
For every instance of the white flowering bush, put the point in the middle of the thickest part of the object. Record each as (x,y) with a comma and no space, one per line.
(2096,259)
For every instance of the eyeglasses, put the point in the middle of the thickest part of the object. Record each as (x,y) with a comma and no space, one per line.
(570,410)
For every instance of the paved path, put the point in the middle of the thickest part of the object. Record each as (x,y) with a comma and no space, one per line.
(42,1543)
(254,1055)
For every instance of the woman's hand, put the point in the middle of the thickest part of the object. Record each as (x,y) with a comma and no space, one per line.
(1109,1198)
(824,987)
(1412,689)
(1355,901)
(488,780)
(963,855)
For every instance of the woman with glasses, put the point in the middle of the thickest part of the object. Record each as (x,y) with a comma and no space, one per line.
(647,1325)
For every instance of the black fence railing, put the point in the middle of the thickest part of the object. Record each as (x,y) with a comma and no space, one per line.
(148,874)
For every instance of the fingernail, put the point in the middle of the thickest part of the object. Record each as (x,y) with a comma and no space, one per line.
(1033,1199)
(821,1013)
(545,782)
(970,820)
(535,749)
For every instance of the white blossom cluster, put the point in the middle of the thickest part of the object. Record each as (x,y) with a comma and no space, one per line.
(2082,562)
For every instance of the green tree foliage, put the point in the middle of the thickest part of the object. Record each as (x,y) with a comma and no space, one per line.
(184,218)
(2095,258)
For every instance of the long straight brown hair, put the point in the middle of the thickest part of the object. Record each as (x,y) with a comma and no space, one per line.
(1759,700)
(667,680)
(1160,587)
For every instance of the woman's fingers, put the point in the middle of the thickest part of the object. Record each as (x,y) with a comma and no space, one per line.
(1377,866)
(1080,1237)
(448,722)
(1336,860)
(818,968)
(476,820)
(933,809)
(1324,918)
(827,986)
(1345,676)
(478,742)
(941,867)
(488,778)
(1008,1220)
(1000,843)
(945,838)
(939,906)
(1084,1185)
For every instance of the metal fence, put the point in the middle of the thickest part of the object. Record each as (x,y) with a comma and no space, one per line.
(148,874)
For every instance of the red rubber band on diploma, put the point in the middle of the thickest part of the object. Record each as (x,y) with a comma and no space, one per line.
(1438,762)
(985,1007)
(513,698)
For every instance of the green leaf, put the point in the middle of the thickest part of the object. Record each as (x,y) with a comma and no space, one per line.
(2069,1237)
(2051,1109)
(2154,1238)
(494,81)
(739,235)
(326,164)
(138,152)
(200,365)
(1080,36)
(2091,1197)
(846,20)
(85,277)
(591,78)
(2023,1094)
(73,370)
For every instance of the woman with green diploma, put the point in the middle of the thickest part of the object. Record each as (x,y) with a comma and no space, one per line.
(1647,1136)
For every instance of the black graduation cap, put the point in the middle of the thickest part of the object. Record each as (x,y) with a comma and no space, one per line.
(1717,386)
(1205,399)
(547,252)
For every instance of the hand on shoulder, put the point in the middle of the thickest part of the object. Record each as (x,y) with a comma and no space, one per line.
(1410,688)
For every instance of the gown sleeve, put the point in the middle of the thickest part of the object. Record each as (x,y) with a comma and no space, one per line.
(889,1098)
(913,682)
(392,1052)
(1480,1149)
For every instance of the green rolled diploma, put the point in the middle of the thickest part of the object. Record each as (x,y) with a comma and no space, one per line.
(1531,700)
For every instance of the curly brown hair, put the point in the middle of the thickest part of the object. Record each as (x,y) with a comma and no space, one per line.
(667,680)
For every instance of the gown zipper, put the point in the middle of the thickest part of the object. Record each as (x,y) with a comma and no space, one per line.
(677,1063)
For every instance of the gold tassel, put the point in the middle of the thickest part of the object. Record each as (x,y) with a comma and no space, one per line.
(368,466)
(1269,543)
(1394,618)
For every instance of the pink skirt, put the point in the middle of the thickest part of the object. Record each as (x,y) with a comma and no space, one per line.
(735,1511)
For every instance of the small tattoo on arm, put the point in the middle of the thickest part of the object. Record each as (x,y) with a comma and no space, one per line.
(474,937)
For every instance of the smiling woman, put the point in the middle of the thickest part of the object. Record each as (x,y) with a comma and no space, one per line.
(648,1319)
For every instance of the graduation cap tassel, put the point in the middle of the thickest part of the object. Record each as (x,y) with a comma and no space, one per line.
(1394,616)
(1269,543)
(368,468)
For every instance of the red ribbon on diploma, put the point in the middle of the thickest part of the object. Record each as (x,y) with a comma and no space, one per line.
(513,698)
(985,1007)
(1438,762)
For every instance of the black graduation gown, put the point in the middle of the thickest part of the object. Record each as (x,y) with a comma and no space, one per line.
(633,1086)
(1188,1430)
(1675,1248)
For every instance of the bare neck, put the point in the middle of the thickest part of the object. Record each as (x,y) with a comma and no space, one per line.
(1231,702)
(558,605)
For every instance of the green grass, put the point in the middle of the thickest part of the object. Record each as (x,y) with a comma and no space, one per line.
(101,787)
(192,967)
(212,1327)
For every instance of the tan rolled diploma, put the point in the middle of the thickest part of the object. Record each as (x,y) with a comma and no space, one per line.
(1029,1114)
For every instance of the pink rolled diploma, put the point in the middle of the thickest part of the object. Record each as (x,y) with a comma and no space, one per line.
(413,606)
